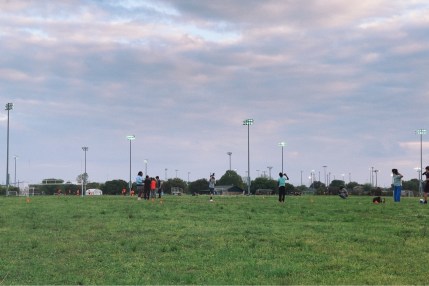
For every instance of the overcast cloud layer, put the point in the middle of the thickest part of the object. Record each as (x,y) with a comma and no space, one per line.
(344,83)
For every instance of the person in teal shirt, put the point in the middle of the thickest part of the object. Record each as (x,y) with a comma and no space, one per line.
(281,181)
(139,184)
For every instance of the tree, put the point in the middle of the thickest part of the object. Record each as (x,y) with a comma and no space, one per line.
(198,185)
(335,186)
(81,177)
(114,187)
(263,183)
(351,185)
(3,189)
(289,188)
(318,185)
(231,178)
(411,185)
(174,183)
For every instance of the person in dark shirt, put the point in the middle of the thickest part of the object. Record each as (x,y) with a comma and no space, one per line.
(146,188)
(426,190)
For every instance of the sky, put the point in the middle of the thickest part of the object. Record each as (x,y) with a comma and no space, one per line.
(343,83)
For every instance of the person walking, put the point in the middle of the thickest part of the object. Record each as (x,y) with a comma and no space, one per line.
(397,185)
(426,190)
(281,182)
(139,184)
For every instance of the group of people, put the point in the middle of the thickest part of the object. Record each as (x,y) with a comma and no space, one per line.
(148,188)
(397,186)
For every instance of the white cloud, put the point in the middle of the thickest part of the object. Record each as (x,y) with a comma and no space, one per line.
(343,83)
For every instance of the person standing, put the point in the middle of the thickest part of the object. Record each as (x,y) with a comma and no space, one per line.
(159,186)
(152,189)
(397,185)
(139,184)
(281,182)
(426,190)
(212,183)
(146,188)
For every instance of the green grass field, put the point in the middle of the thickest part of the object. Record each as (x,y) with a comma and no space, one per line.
(233,240)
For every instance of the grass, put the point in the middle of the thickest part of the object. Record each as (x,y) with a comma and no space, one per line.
(234,240)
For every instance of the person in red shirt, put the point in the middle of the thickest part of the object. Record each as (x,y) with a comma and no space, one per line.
(152,188)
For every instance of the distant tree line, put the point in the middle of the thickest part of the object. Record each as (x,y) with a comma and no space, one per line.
(114,187)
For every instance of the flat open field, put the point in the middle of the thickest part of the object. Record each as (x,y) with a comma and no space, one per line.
(233,240)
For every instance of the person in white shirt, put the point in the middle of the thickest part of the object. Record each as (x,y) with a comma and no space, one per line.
(397,185)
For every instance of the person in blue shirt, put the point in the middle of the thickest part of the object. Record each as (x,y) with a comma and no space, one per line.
(281,182)
(139,184)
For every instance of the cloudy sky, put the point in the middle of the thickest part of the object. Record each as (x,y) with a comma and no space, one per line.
(343,83)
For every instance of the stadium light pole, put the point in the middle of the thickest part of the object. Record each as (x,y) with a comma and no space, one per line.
(376,177)
(269,170)
(324,175)
(282,144)
(248,122)
(130,138)
(15,157)
(229,154)
(85,149)
(421,132)
(8,107)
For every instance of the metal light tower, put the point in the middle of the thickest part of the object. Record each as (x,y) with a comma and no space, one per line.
(130,138)
(8,107)
(421,132)
(269,170)
(282,144)
(248,122)
(85,149)
(376,178)
(145,166)
(229,154)
(324,175)
(15,157)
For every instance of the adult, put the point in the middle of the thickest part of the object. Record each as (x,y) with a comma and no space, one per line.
(343,193)
(397,185)
(426,190)
(159,186)
(212,182)
(139,184)
(146,188)
(281,182)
